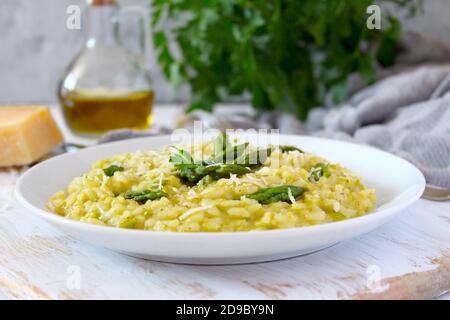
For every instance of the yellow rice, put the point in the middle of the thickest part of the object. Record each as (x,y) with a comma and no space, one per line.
(216,207)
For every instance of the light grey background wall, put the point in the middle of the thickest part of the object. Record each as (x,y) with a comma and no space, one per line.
(35,46)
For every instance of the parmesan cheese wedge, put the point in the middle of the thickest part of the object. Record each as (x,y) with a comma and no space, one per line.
(26,134)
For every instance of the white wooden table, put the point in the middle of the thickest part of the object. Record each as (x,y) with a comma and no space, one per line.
(407,258)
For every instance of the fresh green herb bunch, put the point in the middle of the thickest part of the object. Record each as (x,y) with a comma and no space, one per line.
(286,53)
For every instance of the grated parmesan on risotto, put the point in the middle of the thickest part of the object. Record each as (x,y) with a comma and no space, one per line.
(158,191)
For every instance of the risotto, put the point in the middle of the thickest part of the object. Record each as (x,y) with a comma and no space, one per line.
(206,188)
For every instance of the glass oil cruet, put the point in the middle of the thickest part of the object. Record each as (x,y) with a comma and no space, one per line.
(108,86)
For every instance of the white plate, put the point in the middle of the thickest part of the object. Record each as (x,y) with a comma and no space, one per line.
(397,182)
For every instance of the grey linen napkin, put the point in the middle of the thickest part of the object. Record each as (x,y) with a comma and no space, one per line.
(407,114)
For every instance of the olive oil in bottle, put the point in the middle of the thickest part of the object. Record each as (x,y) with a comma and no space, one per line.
(107,86)
(95,112)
